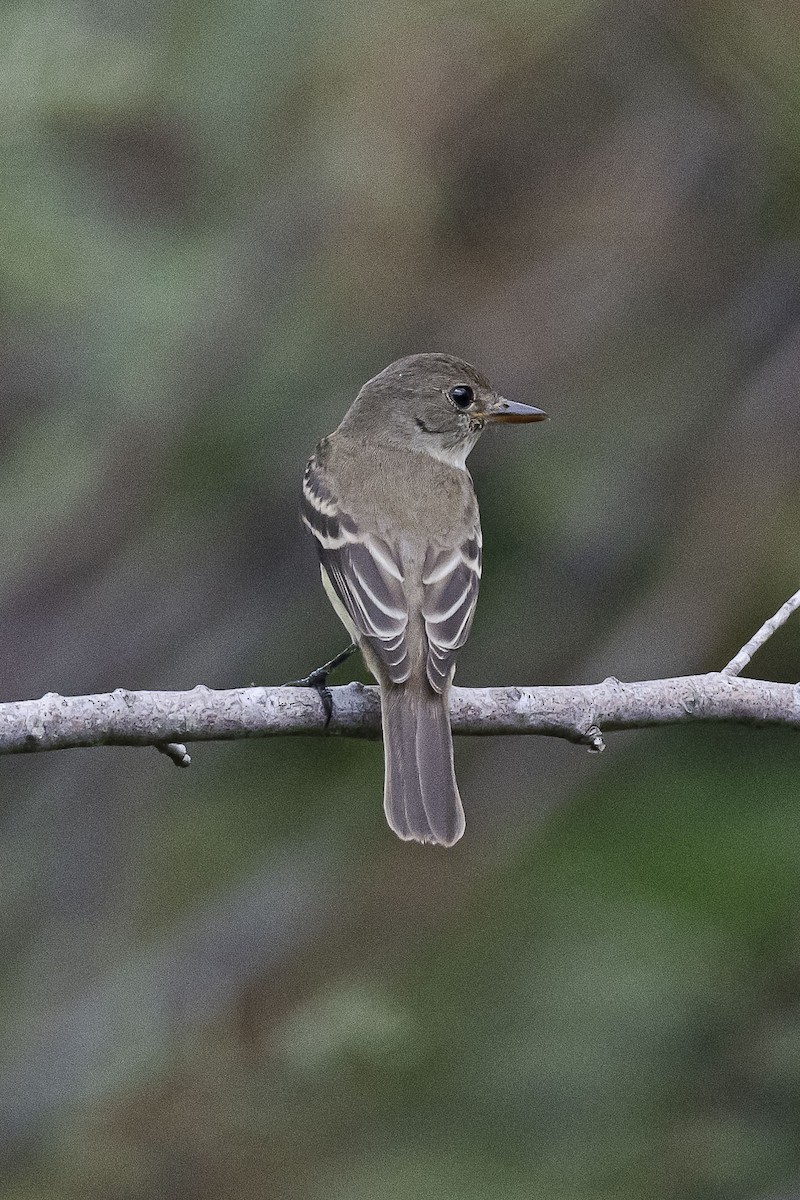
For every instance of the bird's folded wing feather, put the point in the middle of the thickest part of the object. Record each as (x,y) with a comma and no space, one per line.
(451,579)
(367,576)
(364,572)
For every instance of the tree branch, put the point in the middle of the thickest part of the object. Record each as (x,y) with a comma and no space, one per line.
(740,660)
(580,714)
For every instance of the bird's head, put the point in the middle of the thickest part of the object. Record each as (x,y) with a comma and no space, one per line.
(435,403)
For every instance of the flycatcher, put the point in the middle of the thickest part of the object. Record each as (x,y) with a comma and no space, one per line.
(391,505)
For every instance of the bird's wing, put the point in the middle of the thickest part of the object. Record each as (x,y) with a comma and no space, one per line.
(451,579)
(363,569)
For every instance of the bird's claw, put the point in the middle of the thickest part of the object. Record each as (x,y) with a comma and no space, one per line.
(318,679)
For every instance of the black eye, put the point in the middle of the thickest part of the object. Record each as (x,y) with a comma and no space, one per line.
(462,396)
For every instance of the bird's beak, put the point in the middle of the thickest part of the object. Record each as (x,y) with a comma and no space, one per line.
(511,413)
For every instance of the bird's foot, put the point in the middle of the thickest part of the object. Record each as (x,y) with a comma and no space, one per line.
(318,679)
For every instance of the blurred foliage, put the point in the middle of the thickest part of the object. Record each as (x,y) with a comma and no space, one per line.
(218,221)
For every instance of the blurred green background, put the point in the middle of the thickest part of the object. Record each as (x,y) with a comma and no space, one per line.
(218,220)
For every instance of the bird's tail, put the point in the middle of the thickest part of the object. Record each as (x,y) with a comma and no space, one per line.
(420,795)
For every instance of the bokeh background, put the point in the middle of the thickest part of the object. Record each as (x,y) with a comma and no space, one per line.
(218,219)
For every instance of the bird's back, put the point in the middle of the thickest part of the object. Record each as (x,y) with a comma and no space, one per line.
(373,478)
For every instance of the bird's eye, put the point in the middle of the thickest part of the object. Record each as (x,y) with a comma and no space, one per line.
(462,396)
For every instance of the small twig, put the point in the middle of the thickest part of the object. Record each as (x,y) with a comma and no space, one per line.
(738,664)
(177,752)
(593,740)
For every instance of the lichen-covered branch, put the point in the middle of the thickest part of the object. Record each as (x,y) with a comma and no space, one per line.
(581,713)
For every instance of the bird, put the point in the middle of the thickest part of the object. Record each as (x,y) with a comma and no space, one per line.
(392,509)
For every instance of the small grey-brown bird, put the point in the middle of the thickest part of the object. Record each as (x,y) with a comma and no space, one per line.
(391,505)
